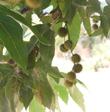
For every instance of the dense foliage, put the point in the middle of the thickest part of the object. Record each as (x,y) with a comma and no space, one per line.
(26,72)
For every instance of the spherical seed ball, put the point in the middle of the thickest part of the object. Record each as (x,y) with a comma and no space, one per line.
(33,3)
(62,32)
(77,68)
(13,1)
(68,44)
(95,26)
(62,48)
(75,58)
(71,76)
(11,61)
(68,83)
(56,13)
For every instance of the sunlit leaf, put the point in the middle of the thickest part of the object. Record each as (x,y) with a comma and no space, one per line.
(85,19)
(62,92)
(36,106)
(74,29)
(77,97)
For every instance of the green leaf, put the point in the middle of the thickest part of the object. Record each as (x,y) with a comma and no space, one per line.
(106,12)
(105,20)
(6,72)
(68,9)
(54,3)
(74,29)
(54,72)
(32,50)
(11,35)
(77,97)
(27,80)
(47,35)
(105,24)
(85,19)
(46,19)
(31,44)
(44,38)
(80,82)
(45,3)
(93,6)
(28,17)
(46,93)
(25,95)
(62,92)
(44,89)
(87,25)
(56,27)
(47,53)
(64,6)
(5,11)
(36,106)
(31,59)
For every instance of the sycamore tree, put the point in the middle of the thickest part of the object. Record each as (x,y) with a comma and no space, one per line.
(27,77)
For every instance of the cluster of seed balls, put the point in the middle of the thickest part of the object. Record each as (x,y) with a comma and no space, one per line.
(70,77)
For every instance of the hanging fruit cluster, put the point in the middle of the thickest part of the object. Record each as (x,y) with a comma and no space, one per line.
(70,78)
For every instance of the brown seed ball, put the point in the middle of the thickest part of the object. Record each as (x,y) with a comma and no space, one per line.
(95,26)
(56,13)
(77,68)
(75,58)
(68,44)
(68,83)
(62,32)
(33,3)
(11,61)
(62,48)
(71,76)
(25,10)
